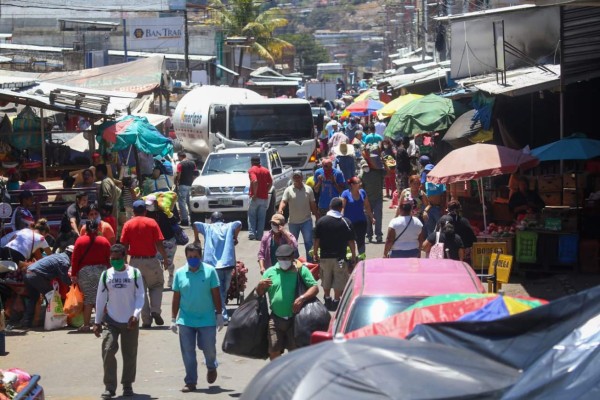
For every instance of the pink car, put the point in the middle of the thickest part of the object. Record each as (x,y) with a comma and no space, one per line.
(381,287)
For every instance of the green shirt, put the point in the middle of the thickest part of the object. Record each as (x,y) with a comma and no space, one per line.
(282,292)
(196,306)
(373,182)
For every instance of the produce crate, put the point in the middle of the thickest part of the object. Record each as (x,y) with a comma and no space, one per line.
(550,183)
(552,198)
(569,181)
(527,247)
(568,247)
(572,198)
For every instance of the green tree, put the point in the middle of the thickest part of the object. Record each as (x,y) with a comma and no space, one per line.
(308,50)
(244,18)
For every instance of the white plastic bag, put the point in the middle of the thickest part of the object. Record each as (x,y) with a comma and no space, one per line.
(55,317)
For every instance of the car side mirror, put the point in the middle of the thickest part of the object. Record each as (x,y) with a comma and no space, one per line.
(320,336)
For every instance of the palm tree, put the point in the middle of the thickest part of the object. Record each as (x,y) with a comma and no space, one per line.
(244,18)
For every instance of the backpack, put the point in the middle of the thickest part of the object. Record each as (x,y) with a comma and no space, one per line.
(135,279)
(437,250)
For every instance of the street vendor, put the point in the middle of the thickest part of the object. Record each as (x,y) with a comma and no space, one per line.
(525,200)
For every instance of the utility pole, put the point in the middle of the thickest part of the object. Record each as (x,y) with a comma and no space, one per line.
(125,58)
(186,45)
(424,30)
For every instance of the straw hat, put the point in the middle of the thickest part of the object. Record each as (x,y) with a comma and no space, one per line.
(343,149)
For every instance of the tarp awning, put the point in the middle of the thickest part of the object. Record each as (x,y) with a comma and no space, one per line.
(229,71)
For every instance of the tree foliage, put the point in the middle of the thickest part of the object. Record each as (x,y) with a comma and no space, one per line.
(308,50)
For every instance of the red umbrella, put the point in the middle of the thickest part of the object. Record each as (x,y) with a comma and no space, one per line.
(480,161)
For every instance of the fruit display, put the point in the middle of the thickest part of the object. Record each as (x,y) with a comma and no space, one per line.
(501,230)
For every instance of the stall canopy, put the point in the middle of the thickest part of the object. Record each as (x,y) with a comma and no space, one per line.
(135,131)
(575,147)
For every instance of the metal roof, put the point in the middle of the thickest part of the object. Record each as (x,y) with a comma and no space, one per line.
(518,82)
(273,83)
(168,56)
(476,14)
(406,80)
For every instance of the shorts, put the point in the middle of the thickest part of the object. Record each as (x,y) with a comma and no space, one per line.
(88,277)
(281,334)
(332,276)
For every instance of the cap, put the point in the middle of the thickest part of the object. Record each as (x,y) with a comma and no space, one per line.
(70,248)
(285,250)
(255,159)
(297,173)
(424,160)
(278,219)
(150,199)
(217,216)
(139,205)
(428,167)
(25,194)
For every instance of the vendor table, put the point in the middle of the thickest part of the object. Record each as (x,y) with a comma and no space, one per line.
(547,251)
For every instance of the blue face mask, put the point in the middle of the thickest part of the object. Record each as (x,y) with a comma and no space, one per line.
(193,262)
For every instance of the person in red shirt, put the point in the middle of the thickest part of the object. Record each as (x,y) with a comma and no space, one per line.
(91,257)
(260,185)
(143,239)
(107,215)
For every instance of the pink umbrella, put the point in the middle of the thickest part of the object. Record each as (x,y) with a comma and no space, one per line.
(479,161)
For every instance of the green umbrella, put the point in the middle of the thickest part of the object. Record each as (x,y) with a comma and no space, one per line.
(428,114)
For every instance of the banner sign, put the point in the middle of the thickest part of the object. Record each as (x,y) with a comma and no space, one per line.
(155,33)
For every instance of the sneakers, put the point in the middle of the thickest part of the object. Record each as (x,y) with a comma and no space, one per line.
(157,319)
(328,303)
(188,388)
(251,237)
(211,376)
(127,391)
(379,240)
(107,394)
(334,304)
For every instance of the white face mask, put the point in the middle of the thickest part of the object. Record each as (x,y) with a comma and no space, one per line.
(366,169)
(285,264)
(275,228)
(151,207)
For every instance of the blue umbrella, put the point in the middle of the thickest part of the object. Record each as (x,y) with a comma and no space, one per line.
(574,147)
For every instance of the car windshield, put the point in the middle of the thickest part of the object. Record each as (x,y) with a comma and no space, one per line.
(270,122)
(367,310)
(230,163)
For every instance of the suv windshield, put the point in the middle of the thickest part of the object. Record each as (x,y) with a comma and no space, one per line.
(270,122)
(230,163)
(368,310)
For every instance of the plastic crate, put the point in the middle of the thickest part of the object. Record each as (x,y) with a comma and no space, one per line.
(568,247)
(527,247)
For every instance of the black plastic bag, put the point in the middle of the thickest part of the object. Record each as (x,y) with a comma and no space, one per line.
(312,317)
(248,327)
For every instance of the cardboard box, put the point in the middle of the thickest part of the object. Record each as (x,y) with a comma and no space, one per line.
(460,189)
(550,183)
(569,181)
(572,198)
(552,199)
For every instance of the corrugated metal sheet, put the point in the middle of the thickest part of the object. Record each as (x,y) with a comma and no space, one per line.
(580,32)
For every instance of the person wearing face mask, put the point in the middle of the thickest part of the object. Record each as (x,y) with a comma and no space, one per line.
(280,282)
(372,183)
(271,240)
(462,227)
(69,226)
(104,228)
(119,302)
(91,257)
(405,232)
(196,314)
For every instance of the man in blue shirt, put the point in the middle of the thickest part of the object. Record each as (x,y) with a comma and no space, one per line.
(195,300)
(220,239)
(329,182)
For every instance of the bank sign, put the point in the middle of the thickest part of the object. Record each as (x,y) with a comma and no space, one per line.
(155,33)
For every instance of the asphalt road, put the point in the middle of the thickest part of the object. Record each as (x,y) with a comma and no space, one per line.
(71,367)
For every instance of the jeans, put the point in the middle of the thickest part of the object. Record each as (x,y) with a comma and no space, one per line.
(206,339)
(377,208)
(183,201)
(170,246)
(129,347)
(415,253)
(306,228)
(257,212)
(224,275)
(35,285)
(360,229)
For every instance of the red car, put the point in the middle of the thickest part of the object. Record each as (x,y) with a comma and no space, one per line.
(381,287)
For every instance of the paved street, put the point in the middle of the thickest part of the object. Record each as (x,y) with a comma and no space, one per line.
(71,367)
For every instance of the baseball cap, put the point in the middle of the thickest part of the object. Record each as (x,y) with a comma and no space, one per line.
(428,167)
(150,199)
(424,160)
(297,173)
(96,155)
(139,205)
(278,219)
(285,250)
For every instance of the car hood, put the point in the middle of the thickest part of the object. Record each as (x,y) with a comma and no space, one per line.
(218,180)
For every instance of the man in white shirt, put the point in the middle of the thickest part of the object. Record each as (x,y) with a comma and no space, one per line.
(380,127)
(121,295)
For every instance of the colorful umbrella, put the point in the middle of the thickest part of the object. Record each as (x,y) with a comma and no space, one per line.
(574,147)
(429,114)
(136,131)
(479,161)
(450,307)
(364,108)
(390,108)
(373,94)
